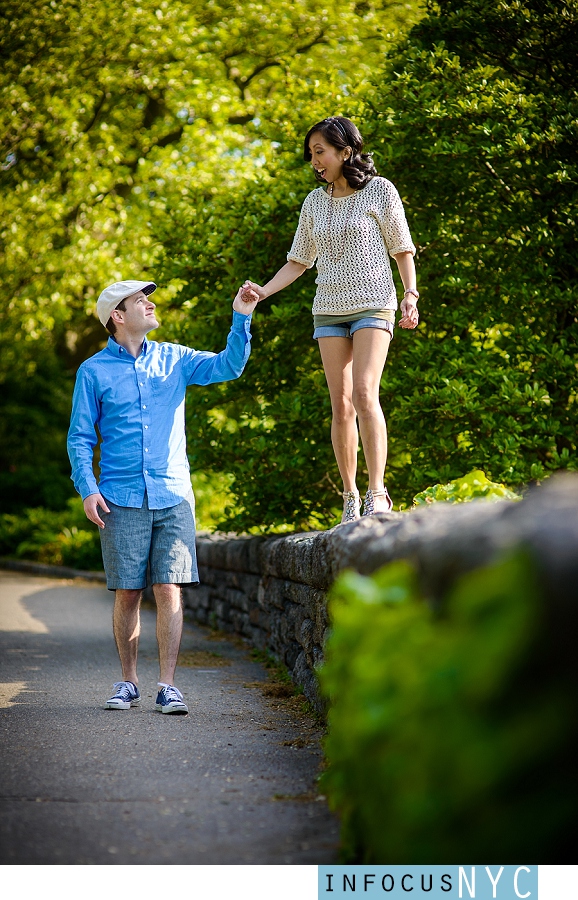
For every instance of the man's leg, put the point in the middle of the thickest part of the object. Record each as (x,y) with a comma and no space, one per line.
(126,627)
(126,540)
(172,563)
(169,628)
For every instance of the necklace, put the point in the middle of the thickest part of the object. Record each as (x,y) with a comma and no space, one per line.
(330,225)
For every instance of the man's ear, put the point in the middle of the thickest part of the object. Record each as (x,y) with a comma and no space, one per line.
(117,316)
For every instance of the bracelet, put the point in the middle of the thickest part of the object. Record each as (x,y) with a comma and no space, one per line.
(412,291)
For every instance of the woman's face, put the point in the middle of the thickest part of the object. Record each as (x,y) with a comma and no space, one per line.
(326,159)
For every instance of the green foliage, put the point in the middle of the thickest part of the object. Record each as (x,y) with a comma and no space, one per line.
(34,414)
(112,113)
(474,486)
(474,117)
(483,145)
(451,733)
(169,147)
(64,538)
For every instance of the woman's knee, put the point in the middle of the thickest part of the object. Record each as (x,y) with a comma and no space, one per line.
(343,411)
(366,401)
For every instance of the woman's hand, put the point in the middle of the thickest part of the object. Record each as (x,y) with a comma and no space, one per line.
(252,291)
(409,313)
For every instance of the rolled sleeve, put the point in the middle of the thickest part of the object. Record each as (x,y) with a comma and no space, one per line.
(394,227)
(303,249)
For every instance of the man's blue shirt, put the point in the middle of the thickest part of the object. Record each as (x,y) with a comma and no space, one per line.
(138,406)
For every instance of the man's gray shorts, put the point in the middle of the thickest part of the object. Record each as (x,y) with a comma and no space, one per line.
(157,542)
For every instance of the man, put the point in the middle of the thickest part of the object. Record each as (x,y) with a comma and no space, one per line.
(134,392)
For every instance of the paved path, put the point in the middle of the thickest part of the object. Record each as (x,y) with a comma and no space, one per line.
(233,782)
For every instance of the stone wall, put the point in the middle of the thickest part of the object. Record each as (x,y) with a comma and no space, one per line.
(273,591)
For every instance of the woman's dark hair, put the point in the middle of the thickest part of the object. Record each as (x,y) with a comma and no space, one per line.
(358,170)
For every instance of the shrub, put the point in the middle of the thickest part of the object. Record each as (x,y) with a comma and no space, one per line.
(475,486)
(59,538)
(451,734)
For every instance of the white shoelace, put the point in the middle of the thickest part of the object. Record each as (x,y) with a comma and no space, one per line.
(124,691)
(171,690)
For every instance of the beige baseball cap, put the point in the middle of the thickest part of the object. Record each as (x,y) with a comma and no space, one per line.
(114,293)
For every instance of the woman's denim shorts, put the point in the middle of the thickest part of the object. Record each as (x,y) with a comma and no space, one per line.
(348,329)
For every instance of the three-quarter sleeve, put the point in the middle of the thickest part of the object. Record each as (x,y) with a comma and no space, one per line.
(303,249)
(393,223)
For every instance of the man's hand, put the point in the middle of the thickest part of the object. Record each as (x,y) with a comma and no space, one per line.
(251,289)
(246,300)
(91,504)
(409,313)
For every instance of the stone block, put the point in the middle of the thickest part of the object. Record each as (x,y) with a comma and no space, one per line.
(271,593)
(235,598)
(222,610)
(306,635)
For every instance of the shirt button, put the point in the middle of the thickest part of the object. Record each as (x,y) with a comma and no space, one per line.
(146,449)
(146,471)
(144,406)
(141,383)
(146,426)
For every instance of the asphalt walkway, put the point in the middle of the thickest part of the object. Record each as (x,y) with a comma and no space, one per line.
(234,782)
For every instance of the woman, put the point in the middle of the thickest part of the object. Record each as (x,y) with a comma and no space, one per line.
(350,226)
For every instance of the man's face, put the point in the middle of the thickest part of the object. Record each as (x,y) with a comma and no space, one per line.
(139,317)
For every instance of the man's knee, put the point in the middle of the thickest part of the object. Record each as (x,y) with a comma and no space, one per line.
(168,595)
(128,598)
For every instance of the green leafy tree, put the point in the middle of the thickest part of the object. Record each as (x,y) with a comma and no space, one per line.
(473,117)
(475,120)
(112,111)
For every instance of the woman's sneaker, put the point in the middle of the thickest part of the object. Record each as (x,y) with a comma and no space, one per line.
(170,700)
(127,695)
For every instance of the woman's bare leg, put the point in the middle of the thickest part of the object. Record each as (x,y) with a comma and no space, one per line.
(337,358)
(370,347)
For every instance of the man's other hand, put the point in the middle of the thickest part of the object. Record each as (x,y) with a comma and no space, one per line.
(91,504)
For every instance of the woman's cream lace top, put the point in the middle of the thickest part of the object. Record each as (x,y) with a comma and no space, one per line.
(353,265)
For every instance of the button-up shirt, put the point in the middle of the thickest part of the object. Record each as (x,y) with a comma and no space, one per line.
(138,406)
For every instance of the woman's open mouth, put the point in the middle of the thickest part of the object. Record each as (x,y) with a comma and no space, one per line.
(321,172)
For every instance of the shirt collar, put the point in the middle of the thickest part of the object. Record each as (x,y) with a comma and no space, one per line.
(120,352)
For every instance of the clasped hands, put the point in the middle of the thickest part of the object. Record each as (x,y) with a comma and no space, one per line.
(247,297)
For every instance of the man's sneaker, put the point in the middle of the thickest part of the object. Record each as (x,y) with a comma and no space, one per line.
(127,695)
(170,700)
